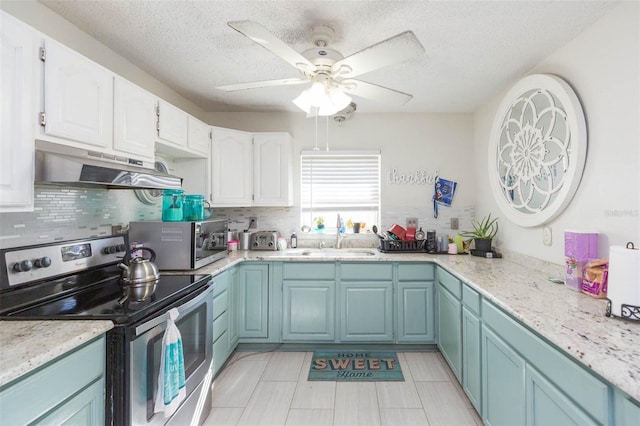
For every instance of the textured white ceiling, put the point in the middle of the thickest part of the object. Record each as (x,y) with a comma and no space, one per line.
(473,48)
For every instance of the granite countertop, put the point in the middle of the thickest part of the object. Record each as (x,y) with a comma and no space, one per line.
(27,345)
(572,321)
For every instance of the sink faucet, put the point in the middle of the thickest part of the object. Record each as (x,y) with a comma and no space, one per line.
(339,237)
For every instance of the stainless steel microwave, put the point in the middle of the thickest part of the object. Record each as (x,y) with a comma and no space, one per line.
(182,245)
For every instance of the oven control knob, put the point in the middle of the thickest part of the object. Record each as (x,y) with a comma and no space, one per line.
(109,250)
(23,266)
(43,262)
(121,248)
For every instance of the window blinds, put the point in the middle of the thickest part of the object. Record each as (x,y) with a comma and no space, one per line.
(340,181)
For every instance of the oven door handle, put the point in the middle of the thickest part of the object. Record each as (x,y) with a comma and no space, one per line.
(182,309)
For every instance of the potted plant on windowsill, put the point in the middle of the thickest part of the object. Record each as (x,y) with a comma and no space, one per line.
(483,233)
(319,222)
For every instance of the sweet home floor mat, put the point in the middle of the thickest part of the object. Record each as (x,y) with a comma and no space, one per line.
(355,366)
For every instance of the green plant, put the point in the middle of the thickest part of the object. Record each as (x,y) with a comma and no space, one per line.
(319,221)
(487,228)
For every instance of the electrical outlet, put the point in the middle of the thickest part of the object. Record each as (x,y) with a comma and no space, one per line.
(454,223)
(412,222)
(253,222)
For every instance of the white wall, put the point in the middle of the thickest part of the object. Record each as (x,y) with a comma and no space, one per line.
(53,25)
(602,66)
(408,142)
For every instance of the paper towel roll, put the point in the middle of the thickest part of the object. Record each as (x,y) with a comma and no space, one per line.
(624,278)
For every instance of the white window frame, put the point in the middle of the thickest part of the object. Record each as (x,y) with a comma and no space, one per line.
(313,206)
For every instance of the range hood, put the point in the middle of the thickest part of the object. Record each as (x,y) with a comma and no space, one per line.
(60,169)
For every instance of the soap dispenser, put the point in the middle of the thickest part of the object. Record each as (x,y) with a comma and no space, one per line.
(294,240)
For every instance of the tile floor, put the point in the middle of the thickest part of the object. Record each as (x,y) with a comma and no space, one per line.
(271,388)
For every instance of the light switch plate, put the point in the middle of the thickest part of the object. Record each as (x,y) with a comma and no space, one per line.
(412,222)
(454,223)
(546,235)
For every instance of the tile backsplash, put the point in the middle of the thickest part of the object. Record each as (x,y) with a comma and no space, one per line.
(71,213)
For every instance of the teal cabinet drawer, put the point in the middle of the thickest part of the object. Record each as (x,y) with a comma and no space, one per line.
(449,282)
(220,352)
(416,272)
(220,325)
(564,373)
(220,304)
(471,299)
(367,271)
(309,271)
(220,283)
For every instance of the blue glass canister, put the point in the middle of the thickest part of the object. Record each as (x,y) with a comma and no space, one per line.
(194,207)
(172,205)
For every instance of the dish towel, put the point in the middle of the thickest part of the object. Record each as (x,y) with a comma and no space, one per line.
(171,390)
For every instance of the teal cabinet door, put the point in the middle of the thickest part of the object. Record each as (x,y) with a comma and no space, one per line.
(627,410)
(503,382)
(85,408)
(450,330)
(415,312)
(233,308)
(366,311)
(308,311)
(546,405)
(254,300)
(471,358)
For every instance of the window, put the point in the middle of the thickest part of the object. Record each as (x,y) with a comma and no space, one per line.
(340,182)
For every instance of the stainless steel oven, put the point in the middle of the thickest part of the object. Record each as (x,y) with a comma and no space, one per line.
(80,279)
(194,323)
(182,245)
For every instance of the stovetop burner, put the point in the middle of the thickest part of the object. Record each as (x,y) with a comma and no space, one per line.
(92,290)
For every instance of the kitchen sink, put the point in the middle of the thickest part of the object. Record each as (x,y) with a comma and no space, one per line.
(331,252)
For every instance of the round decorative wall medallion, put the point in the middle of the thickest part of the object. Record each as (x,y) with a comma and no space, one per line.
(537,149)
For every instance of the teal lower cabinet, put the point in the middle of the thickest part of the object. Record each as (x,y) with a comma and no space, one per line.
(450,329)
(627,411)
(415,313)
(546,405)
(69,390)
(366,302)
(503,393)
(471,358)
(308,310)
(220,321)
(233,287)
(254,300)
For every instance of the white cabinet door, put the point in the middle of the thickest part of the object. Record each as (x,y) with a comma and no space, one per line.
(272,181)
(172,124)
(78,98)
(231,168)
(134,120)
(199,136)
(18,114)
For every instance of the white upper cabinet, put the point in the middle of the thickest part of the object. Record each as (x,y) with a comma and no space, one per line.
(231,168)
(250,169)
(172,124)
(199,139)
(134,120)
(272,169)
(18,114)
(78,98)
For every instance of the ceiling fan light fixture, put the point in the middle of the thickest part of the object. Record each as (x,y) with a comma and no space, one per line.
(325,101)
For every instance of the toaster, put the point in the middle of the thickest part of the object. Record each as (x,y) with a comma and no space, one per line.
(264,240)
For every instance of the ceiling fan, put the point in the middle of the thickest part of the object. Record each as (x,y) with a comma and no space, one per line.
(329,72)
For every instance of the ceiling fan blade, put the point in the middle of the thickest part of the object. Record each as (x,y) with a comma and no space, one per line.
(377,93)
(262,36)
(259,84)
(391,51)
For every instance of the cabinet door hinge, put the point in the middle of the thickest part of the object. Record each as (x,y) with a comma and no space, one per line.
(43,119)
(43,54)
